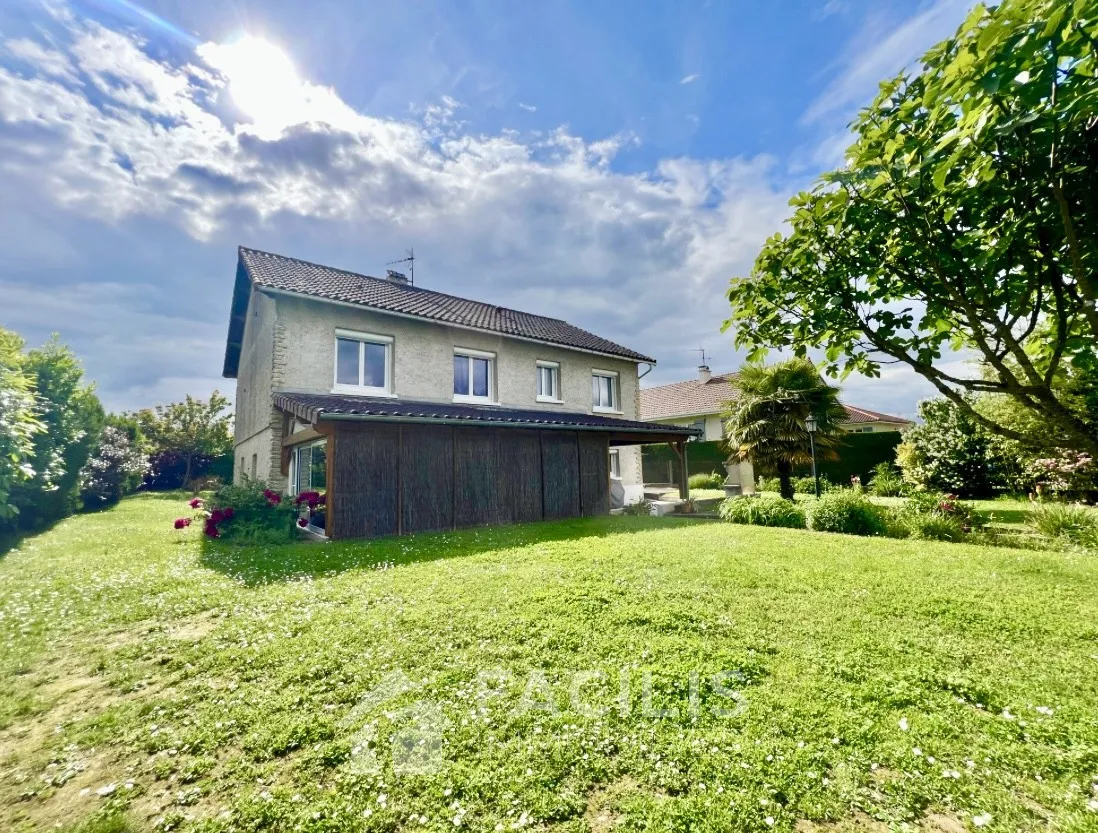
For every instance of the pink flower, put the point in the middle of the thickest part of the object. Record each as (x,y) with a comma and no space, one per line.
(194,503)
(273,497)
(302,522)
(211,529)
(180,523)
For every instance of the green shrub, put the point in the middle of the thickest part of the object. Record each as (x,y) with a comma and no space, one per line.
(807,485)
(762,510)
(712,480)
(886,481)
(928,503)
(847,511)
(934,516)
(801,485)
(250,513)
(934,527)
(641,507)
(1066,521)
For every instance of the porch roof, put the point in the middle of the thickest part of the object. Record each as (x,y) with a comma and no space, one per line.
(313,408)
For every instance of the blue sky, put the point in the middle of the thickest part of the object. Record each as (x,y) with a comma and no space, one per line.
(611,163)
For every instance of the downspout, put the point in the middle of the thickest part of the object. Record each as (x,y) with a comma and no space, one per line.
(649,370)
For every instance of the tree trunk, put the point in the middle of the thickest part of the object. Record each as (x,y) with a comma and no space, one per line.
(187,471)
(785,478)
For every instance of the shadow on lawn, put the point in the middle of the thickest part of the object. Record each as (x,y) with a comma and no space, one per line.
(259,564)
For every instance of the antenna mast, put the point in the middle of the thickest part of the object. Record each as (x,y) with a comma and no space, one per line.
(410,259)
(702,351)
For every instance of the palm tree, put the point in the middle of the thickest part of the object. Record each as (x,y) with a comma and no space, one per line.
(765,424)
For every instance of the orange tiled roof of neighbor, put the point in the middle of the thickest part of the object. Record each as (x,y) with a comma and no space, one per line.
(698,397)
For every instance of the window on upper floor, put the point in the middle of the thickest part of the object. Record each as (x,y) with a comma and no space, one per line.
(363,363)
(548,381)
(473,376)
(604,391)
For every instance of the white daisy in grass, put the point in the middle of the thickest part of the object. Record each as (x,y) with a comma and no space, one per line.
(903,724)
(982,820)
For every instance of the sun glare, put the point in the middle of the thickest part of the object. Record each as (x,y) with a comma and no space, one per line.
(262,81)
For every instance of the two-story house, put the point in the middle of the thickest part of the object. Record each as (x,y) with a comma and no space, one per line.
(413,410)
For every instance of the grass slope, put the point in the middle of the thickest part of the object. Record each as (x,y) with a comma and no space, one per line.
(148,682)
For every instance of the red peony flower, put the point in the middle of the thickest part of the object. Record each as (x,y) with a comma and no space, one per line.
(194,503)
(211,529)
(180,523)
(227,513)
(216,517)
(323,500)
(273,497)
(302,522)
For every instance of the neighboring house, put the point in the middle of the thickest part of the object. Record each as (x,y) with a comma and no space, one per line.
(417,410)
(700,404)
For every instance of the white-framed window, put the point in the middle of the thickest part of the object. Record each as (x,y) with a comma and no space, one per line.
(615,463)
(309,467)
(604,391)
(474,372)
(548,382)
(698,424)
(363,363)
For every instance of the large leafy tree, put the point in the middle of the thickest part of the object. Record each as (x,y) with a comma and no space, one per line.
(19,422)
(195,430)
(72,418)
(966,219)
(766,423)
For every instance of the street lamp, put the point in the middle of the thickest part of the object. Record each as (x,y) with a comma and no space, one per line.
(810,425)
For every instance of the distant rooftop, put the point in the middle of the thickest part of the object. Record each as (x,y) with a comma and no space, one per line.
(696,397)
(300,277)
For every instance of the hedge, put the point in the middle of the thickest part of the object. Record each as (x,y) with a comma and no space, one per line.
(701,458)
(858,455)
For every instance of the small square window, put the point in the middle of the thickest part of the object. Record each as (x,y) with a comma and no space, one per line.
(473,376)
(548,374)
(362,363)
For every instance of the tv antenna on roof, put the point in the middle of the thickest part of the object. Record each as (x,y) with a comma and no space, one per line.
(411,261)
(702,351)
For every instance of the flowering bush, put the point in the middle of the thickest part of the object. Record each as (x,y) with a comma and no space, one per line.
(1068,471)
(940,517)
(244,513)
(114,470)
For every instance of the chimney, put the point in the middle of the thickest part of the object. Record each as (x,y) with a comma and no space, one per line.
(396,277)
(703,374)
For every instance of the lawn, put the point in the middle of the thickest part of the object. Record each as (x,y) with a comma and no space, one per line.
(148,681)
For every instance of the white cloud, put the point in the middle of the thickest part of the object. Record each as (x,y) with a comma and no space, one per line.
(179,162)
(529,108)
(881,52)
(544,224)
(689,79)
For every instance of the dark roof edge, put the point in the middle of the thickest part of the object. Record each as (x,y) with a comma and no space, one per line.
(238,317)
(638,358)
(316,414)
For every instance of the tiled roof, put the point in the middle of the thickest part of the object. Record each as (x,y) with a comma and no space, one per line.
(314,406)
(695,398)
(289,274)
(690,398)
(861,415)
